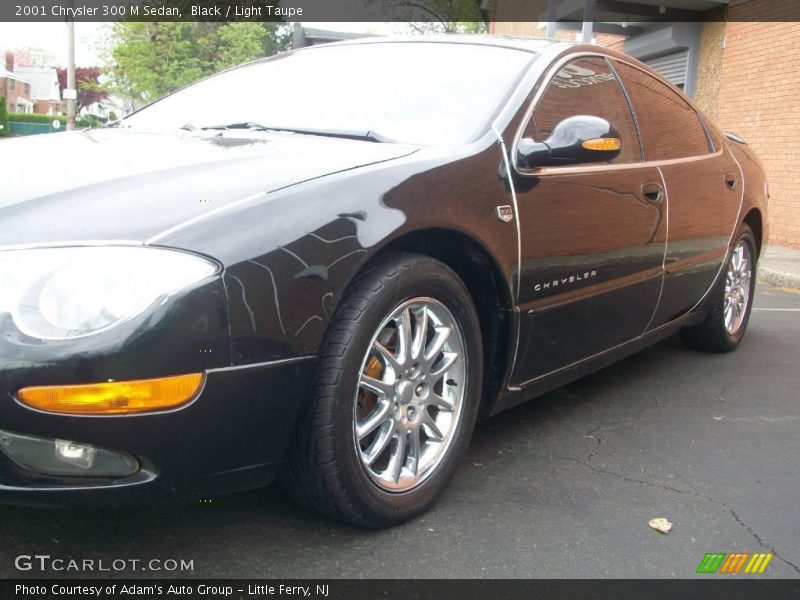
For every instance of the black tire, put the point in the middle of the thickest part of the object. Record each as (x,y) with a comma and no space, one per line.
(712,335)
(323,470)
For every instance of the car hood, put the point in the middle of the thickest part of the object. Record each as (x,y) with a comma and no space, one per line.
(128,186)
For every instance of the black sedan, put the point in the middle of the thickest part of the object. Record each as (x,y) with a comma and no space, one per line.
(325,266)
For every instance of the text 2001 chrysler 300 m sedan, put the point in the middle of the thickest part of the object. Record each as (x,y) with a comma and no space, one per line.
(329,279)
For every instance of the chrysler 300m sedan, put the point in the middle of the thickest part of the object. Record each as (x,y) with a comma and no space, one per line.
(324,267)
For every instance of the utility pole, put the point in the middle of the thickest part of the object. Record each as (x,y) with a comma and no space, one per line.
(70,93)
(588,21)
(552,19)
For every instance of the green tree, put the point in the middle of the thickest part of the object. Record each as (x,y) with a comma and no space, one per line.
(432,27)
(3,117)
(240,42)
(441,16)
(147,60)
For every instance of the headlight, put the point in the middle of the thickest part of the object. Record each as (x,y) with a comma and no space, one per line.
(60,293)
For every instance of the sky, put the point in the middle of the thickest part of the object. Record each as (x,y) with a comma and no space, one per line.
(52,37)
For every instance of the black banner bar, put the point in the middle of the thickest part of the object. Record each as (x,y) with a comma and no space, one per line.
(442,11)
(716,588)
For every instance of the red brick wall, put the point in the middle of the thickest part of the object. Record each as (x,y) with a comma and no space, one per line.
(759,99)
(47,107)
(12,95)
(532,29)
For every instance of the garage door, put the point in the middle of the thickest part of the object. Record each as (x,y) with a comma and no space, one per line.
(672,66)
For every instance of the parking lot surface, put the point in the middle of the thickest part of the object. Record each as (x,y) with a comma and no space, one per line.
(563,486)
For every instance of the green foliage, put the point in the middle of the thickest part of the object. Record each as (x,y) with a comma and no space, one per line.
(433,27)
(148,60)
(440,16)
(89,121)
(468,27)
(81,123)
(3,117)
(242,42)
(36,118)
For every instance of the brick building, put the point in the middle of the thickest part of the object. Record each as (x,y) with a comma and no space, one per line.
(15,88)
(735,58)
(45,89)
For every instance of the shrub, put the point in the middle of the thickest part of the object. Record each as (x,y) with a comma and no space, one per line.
(80,123)
(35,118)
(89,121)
(3,117)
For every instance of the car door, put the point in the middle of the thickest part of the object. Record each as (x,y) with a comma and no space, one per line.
(592,235)
(703,185)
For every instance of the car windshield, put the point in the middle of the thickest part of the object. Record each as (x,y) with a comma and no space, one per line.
(423,93)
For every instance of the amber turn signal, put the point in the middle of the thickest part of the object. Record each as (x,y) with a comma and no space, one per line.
(114,397)
(608,144)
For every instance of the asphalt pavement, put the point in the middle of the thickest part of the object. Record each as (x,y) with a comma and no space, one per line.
(563,486)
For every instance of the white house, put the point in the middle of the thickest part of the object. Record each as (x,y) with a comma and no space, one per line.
(45,90)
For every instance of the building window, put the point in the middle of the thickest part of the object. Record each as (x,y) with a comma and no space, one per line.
(27,89)
(674,67)
(12,84)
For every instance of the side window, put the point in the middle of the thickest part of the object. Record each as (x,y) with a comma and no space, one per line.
(669,126)
(586,86)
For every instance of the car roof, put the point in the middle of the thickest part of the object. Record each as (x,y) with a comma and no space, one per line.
(527,44)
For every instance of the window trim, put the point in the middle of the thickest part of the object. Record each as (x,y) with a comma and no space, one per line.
(712,142)
(589,167)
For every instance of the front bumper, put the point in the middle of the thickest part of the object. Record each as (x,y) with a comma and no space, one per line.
(232,437)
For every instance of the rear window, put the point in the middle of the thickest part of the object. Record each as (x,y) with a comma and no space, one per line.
(669,126)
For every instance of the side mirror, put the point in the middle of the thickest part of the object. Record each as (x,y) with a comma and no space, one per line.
(579,139)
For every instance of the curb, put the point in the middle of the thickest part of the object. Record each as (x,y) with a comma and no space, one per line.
(778,278)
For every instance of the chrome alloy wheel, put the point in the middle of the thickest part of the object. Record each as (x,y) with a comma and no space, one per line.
(737,287)
(410,394)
